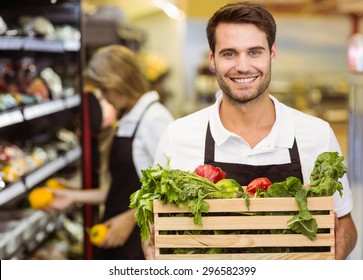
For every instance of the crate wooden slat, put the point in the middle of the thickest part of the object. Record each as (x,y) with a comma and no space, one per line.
(257,205)
(239,240)
(235,222)
(252,256)
(262,214)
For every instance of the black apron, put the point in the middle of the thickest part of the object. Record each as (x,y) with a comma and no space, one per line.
(244,173)
(125,181)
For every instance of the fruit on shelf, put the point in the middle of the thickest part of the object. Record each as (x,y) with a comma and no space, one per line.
(40,198)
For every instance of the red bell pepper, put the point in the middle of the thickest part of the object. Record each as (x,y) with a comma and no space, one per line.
(258,183)
(212,173)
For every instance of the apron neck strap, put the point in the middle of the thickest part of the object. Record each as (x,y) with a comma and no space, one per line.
(141,117)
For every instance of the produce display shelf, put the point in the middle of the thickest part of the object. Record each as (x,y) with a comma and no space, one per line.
(22,230)
(29,112)
(35,177)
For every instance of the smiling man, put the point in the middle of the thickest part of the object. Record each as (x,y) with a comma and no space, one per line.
(248,132)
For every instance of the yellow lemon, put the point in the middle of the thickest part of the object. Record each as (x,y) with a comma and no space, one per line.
(53,183)
(97,233)
(40,197)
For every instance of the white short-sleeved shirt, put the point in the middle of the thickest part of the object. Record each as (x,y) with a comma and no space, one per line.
(150,129)
(184,143)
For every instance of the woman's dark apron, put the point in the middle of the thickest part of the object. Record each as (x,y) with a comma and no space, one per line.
(244,173)
(125,181)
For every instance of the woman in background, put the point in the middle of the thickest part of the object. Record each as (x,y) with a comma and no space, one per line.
(115,70)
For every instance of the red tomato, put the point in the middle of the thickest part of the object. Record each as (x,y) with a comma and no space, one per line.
(258,183)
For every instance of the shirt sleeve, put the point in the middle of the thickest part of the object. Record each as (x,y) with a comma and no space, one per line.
(342,205)
(163,151)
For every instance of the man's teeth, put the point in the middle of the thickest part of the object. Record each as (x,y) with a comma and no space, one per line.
(245,80)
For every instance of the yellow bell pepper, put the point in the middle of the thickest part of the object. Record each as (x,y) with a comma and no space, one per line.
(97,233)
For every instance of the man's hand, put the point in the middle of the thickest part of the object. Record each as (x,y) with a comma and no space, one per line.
(345,236)
(148,246)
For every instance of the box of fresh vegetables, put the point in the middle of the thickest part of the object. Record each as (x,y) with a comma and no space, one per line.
(205,215)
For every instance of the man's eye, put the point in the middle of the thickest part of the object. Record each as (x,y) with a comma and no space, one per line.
(228,54)
(255,52)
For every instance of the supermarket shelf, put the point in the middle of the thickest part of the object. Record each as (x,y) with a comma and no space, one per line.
(35,177)
(30,112)
(23,230)
(12,191)
(36,44)
(72,101)
(43,109)
(39,175)
(11,117)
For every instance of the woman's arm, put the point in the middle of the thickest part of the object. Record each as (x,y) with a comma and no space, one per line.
(65,198)
(120,228)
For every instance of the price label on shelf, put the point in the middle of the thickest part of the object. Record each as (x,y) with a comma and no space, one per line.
(11,192)
(72,101)
(44,172)
(43,109)
(11,43)
(12,117)
(72,45)
(34,44)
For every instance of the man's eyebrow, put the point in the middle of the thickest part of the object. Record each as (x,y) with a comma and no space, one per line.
(235,50)
(227,50)
(257,48)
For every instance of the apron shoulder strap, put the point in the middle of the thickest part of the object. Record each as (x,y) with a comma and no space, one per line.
(294,153)
(141,117)
(209,146)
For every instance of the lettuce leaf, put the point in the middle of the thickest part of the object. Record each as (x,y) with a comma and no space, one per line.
(324,179)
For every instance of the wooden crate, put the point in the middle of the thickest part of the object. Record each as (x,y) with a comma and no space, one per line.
(170,225)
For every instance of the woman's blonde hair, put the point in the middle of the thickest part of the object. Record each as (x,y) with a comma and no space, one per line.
(117,68)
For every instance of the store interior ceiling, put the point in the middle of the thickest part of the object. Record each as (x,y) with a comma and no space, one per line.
(132,10)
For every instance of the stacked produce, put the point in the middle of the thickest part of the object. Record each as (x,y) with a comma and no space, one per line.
(191,189)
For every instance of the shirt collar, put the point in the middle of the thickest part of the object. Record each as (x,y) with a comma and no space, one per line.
(283,130)
(282,133)
(219,132)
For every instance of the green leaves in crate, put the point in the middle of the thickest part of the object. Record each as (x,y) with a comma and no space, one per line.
(178,188)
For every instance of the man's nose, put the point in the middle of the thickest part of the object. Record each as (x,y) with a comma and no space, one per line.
(242,64)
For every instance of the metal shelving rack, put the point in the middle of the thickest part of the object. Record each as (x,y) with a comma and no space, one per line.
(30,228)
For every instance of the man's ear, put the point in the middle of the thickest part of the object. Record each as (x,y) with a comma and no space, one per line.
(273,52)
(211,59)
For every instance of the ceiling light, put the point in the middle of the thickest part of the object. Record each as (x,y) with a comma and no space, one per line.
(169,8)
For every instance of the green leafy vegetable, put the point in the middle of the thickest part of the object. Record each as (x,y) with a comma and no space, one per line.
(178,188)
(328,169)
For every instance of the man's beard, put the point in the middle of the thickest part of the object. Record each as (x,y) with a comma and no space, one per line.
(243,99)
